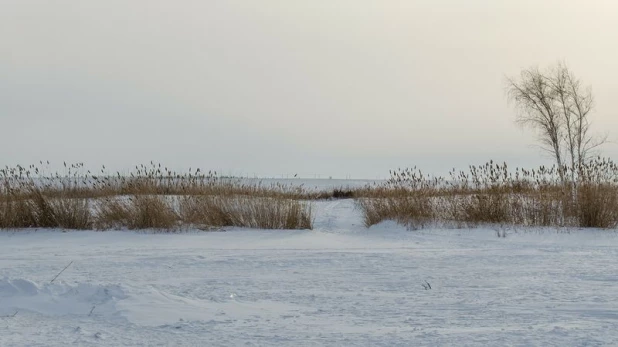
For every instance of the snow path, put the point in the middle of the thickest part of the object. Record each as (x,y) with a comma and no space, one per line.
(340,284)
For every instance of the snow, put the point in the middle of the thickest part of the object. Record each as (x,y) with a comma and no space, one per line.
(340,284)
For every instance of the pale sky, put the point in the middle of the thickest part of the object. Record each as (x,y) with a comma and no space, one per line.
(328,87)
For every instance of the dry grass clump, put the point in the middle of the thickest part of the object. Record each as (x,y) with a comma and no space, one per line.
(485,209)
(491,194)
(42,212)
(597,205)
(24,205)
(596,196)
(415,211)
(69,213)
(243,211)
(136,212)
(16,214)
(408,201)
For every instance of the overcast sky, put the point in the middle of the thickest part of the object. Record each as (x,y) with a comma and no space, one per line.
(328,87)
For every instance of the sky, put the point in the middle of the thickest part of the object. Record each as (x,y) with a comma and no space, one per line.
(273,88)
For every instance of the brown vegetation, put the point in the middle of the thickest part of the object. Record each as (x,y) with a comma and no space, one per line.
(491,194)
(151,197)
(245,211)
(160,199)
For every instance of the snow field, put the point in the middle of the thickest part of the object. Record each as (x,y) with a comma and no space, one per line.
(340,284)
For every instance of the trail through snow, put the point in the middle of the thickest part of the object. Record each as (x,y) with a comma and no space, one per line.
(340,284)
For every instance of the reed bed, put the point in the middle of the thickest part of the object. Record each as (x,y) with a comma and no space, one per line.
(493,194)
(150,197)
(154,197)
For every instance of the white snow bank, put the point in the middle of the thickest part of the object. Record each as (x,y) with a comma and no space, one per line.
(57,299)
(146,306)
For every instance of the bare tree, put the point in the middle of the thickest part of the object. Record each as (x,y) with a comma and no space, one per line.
(534,97)
(555,103)
(582,103)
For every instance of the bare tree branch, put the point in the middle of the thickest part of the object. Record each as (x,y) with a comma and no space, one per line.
(555,103)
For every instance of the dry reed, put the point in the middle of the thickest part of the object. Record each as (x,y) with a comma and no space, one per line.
(491,194)
(150,197)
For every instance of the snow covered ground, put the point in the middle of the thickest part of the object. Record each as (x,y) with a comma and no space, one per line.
(340,284)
